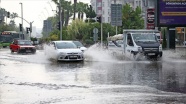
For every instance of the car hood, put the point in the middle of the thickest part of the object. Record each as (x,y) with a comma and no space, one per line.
(148,44)
(26,46)
(69,50)
(83,48)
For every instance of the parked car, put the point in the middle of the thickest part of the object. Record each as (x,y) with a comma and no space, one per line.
(80,45)
(22,46)
(67,51)
(184,43)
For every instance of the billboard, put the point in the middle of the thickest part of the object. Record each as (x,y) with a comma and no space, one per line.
(150,18)
(171,13)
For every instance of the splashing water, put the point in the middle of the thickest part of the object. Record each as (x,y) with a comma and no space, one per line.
(174,54)
(50,52)
(95,53)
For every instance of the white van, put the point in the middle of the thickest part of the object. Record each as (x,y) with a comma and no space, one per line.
(133,42)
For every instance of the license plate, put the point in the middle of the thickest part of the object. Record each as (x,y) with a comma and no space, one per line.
(73,56)
(151,53)
(28,50)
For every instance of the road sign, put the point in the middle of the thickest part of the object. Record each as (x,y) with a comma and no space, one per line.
(95,30)
(116,14)
(95,37)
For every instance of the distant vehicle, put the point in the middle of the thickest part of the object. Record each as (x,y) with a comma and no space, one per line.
(67,51)
(22,46)
(184,43)
(7,37)
(133,42)
(80,45)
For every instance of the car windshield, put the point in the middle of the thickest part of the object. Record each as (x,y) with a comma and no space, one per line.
(78,44)
(65,45)
(145,37)
(24,43)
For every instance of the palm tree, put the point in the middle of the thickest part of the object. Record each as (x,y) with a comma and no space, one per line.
(75,2)
(68,12)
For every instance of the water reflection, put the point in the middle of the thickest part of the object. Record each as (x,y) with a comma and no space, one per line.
(167,76)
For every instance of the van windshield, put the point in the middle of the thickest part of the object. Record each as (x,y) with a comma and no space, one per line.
(144,37)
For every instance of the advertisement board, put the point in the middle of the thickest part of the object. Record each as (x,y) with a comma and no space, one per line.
(171,13)
(150,18)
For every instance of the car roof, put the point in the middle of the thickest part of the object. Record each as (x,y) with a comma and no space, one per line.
(22,40)
(63,41)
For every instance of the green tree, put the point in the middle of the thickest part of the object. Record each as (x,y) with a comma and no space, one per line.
(77,29)
(164,44)
(132,18)
(90,13)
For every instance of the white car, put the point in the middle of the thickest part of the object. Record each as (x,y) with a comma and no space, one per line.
(80,45)
(67,51)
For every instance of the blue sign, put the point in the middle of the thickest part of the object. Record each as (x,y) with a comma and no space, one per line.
(171,13)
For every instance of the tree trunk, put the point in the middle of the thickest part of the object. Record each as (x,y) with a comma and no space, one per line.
(75,2)
(67,18)
(62,17)
(79,14)
(82,15)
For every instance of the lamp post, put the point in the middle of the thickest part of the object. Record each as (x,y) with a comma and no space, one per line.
(22,15)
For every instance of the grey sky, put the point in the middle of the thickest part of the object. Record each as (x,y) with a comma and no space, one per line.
(33,10)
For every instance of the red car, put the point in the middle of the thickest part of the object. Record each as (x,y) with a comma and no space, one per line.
(22,46)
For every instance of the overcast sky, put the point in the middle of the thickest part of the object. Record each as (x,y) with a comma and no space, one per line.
(33,10)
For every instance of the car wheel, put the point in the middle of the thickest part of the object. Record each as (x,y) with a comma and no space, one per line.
(12,51)
(18,51)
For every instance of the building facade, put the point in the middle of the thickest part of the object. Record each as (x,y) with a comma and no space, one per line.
(103,7)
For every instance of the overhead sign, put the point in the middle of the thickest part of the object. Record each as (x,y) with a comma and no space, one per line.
(116,14)
(171,13)
(150,18)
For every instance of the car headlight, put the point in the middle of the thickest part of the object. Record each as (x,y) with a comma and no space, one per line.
(81,53)
(160,48)
(62,53)
(139,49)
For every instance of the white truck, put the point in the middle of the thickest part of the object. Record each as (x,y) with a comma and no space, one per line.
(136,42)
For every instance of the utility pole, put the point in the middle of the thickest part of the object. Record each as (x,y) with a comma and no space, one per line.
(22,15)
(101,24)
(116,21)
(60,20)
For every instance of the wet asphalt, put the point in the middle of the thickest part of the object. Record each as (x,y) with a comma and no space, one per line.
(100,79)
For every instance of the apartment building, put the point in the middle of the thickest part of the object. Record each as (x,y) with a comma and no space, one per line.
(103,7)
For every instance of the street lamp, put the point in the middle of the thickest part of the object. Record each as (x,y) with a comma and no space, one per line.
(22,15)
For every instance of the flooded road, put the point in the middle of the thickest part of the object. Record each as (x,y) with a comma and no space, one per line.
(34,79)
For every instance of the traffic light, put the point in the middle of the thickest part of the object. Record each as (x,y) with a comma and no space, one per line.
(20,27)
(182,30)
(8,14)
(27,30)
(58,25)
(98,19)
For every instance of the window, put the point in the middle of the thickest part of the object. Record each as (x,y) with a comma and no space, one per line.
(103,4)
(65,45)
(103,12)
(129,40)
